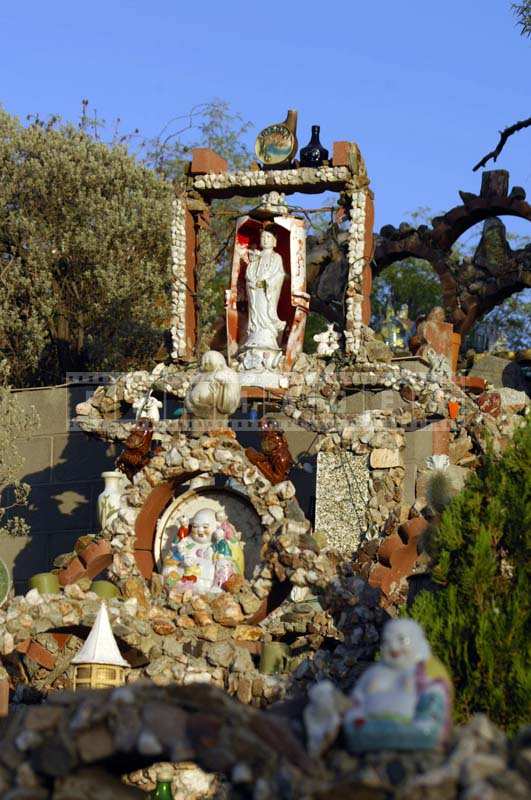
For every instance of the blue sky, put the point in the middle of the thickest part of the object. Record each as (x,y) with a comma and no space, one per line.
(422,86)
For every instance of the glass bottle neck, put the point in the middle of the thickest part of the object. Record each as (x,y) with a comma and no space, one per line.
(163,791)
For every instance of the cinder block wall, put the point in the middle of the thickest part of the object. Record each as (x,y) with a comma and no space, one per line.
(63,468)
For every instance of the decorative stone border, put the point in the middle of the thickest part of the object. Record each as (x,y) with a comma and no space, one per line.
(179,290)
(253,183)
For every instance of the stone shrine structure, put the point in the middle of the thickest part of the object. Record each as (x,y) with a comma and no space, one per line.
(234,556)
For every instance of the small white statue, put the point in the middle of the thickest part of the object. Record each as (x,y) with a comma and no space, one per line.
(264,279)
(215,390)
(327,341)
(147,406)
(440,367)
(322,716)
(403,702)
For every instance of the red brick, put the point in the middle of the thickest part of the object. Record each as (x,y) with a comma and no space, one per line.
(489,403)
(389,544)
(259,615)
(4,698)
(73,571)
(145,563)
(96,557)
(403,560)
(341,154)
(381,578)
(456,346)
(146,522)
(40,655)
(205,160)
(61,639)
(472,383)
(413,528)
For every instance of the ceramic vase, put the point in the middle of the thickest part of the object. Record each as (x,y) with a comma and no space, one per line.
(105,589)
(109,499)
(45,583)
(274,658)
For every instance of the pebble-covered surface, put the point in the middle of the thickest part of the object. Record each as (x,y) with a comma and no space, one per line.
(180,290)
(341,499)
(55,750)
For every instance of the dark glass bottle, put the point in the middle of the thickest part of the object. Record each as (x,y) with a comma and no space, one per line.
(314,153)
(162,790)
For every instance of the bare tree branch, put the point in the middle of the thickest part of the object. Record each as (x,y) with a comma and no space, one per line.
(522,11)
(504,135)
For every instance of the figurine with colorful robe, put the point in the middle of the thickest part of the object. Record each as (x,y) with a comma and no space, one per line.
(404,701)
(203,555)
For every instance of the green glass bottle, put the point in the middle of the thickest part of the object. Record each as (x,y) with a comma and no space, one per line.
(162,790)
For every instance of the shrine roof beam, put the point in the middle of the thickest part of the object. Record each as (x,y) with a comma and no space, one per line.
(254,183)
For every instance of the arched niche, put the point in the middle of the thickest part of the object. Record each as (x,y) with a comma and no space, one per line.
(233,481)
(231,499)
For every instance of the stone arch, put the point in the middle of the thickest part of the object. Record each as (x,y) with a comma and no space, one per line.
(146,521)
(434,244)
(133,529)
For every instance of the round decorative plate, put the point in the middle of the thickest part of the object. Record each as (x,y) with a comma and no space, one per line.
(275,144)
(5,582)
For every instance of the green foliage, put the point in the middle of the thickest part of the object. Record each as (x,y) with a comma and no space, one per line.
(411,281)
(478,622)
(315,323)
(439,490)
(522,12)
(84,248)
(509,320)
(18,422)
(207,125)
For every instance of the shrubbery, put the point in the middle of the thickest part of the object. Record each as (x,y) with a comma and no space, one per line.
(478,622)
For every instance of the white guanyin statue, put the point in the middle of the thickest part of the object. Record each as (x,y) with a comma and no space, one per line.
(204,555)
(264,278)
(215,391)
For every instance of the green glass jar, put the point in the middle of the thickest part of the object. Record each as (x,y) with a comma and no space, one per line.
(162,790)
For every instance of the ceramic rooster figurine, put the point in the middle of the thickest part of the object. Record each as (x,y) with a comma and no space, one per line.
(136,453)
(275,460)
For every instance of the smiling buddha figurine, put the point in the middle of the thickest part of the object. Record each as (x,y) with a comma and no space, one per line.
(201,558)
(403,702)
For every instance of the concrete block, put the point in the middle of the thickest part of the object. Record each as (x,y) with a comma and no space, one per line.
(408,486)
(24,557)
(37,455)
(58,508)
(387,399)
(76,457)
(419,445)
(59,543)
(51,406)
(205,160)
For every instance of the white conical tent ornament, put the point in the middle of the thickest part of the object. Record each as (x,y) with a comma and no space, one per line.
(100,647)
